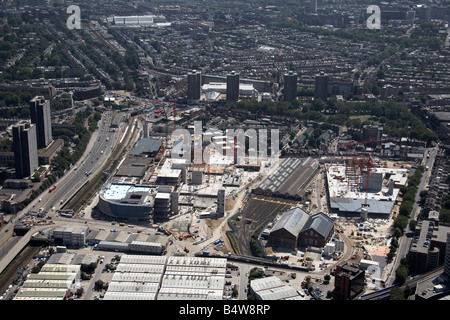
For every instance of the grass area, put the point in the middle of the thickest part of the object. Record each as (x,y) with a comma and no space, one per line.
(233,242)
(362,118)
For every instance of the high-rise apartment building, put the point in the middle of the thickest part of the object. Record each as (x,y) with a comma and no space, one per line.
(41,117)
(321,86)
(194,83)
(313,6)
(233,86)
(25,149)
(290,86)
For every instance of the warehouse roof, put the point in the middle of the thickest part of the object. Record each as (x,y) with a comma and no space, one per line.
(272,288)
(148,287)
(149,268)
(321,223)
(189,294)
(129,295)
(290,177)
(136,276)
(146,145)
(355,205)
(292,221)
(140,259)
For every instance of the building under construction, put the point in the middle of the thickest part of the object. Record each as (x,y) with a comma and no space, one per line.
(356,185)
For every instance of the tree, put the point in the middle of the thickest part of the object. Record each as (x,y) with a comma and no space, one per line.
(397,294)
(412,225)
(400,222)
(98,285)
(401,274)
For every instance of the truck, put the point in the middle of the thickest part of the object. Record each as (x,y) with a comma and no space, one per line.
(51,189)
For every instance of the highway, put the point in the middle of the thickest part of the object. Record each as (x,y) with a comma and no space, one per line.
(100,147)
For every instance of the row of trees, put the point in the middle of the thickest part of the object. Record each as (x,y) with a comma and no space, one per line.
(396,119)
(400,225)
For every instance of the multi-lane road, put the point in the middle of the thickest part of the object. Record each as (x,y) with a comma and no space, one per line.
(100,147)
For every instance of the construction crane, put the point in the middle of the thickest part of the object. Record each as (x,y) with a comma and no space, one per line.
(365,165)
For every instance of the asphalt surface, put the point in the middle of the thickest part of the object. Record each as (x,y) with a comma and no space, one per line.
(405,241)
(104,140)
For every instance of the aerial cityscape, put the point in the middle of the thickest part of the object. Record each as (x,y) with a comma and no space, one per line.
(247,150)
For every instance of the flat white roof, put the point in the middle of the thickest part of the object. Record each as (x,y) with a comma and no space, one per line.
(133,287)
(129,295)
(189,294)
(124,267)
(136,276)
(119,191)
(142,259)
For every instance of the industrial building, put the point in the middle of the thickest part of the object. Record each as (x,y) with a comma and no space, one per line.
(349,190)
(71,235)
(167,278)
(123,241)
(272,288)
(296,229)
(193,278)
(244,89)
(289,179)
(53,282)
(145,20)
(146,147)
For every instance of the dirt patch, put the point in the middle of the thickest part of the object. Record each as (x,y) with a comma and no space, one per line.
(270,251)
(214,223)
